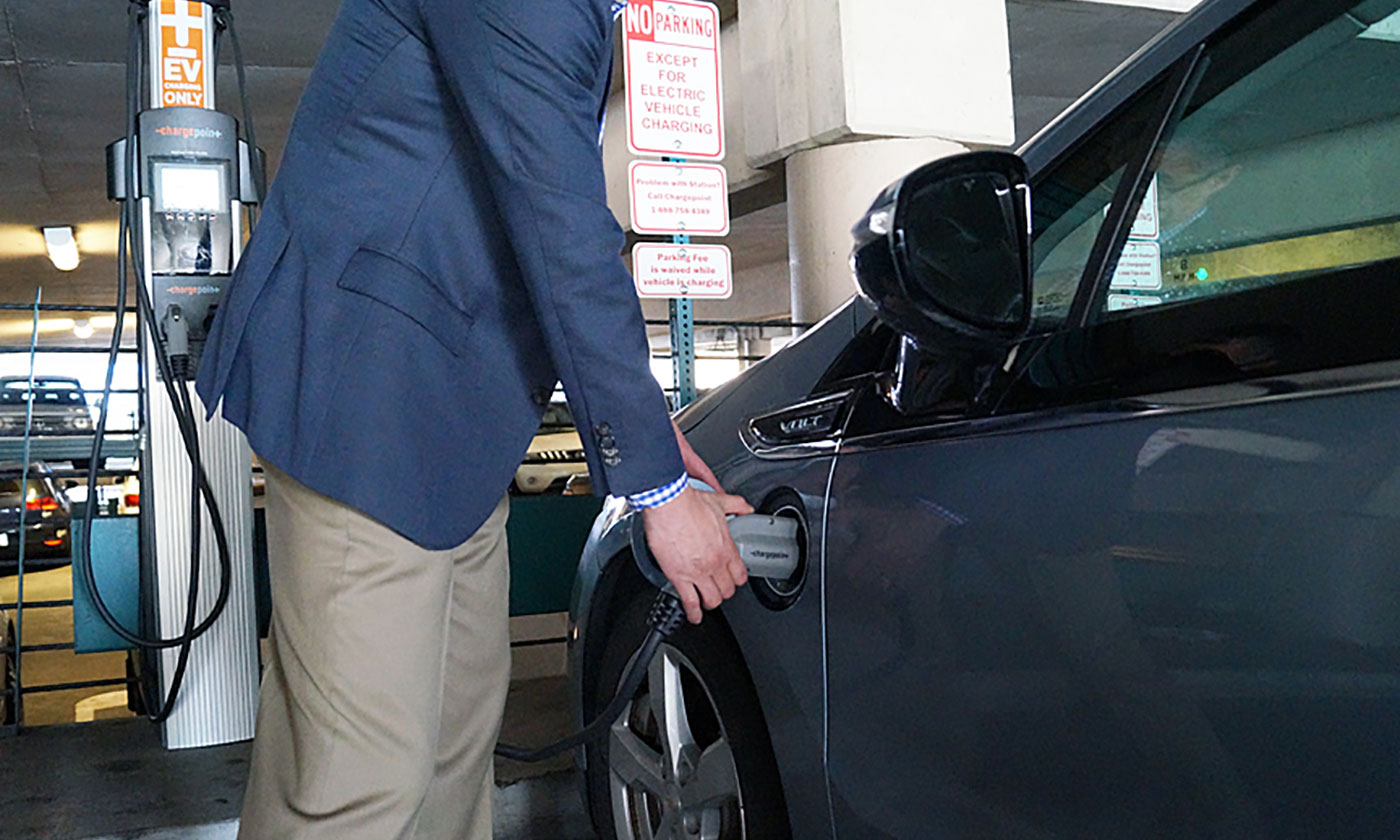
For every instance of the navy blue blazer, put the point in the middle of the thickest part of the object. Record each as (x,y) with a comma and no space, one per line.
(435,252)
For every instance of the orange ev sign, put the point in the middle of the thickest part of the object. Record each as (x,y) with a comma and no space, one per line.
(181,71)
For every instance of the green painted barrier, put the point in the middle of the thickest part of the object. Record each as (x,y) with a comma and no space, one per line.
(115,566)
(546,535)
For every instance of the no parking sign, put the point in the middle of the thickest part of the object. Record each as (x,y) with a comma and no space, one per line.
(671,62)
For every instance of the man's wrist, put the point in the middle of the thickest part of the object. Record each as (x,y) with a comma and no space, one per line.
(660,495)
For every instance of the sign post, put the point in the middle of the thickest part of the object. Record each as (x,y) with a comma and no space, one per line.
(671,58)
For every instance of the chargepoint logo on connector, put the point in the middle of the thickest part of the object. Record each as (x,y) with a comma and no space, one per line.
(188,133)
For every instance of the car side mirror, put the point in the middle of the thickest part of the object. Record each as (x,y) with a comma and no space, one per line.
(943,255)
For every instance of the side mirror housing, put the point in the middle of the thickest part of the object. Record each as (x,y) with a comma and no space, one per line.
(943,255)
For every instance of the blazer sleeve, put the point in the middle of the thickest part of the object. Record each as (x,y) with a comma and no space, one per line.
(527,77)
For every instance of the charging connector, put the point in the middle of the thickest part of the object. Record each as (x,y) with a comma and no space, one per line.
(177,341)
(768,544)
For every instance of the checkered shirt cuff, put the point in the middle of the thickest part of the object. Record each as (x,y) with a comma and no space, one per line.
(659,496)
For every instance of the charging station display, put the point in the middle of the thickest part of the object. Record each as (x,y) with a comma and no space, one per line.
(185,188)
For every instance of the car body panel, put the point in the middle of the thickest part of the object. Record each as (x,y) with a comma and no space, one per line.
(1124,628)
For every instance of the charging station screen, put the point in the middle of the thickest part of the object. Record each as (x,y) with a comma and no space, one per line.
(190,189)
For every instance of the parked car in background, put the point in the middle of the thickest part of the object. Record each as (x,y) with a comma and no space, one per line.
(555,454)
(60,406)
(47,518)
(1099,486)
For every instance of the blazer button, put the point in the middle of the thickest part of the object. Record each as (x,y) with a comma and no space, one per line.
(612,460)
(607,442)
(603,429)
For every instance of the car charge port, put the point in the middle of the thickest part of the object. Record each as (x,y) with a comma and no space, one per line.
(781,593)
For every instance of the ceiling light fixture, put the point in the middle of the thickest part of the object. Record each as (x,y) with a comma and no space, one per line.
(63,248)
(82,328)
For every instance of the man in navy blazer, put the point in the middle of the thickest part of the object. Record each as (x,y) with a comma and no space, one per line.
(435,253)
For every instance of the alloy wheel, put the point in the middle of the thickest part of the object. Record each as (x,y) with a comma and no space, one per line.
(673,775)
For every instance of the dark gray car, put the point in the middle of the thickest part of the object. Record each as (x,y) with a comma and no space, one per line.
(47,512)
(1099,485)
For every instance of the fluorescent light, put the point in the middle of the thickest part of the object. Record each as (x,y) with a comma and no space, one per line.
(63,248)
(82,328)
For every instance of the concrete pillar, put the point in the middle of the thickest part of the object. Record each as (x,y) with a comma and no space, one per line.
(829,188)
(853,94)
(752,342)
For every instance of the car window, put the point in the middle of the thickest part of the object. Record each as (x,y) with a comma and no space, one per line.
(1069,204)
(1276,175)
(9,489)
(48,391)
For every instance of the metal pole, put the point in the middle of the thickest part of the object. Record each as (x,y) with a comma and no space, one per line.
(23,508)
(682,317)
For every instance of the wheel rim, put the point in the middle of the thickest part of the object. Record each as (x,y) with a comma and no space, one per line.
(672,771)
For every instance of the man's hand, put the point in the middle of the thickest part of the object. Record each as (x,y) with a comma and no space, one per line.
(690,540)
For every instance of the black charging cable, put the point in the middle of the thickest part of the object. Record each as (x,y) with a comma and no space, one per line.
(666,616)
(223,19)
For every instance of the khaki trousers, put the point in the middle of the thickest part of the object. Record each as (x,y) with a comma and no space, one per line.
(383,697)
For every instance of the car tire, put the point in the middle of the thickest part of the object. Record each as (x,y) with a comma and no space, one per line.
(723,781)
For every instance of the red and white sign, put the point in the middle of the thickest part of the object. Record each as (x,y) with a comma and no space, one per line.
(180,70)
(671,60)
(673,271)
(1145,223)
(688,198)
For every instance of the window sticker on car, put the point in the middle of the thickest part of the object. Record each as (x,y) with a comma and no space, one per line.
(1139,266)
(1145,226)
(1119,302)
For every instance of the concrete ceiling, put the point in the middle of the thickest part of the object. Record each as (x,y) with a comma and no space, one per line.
(62,78)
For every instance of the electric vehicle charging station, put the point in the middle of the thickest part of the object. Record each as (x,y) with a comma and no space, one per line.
(191,177)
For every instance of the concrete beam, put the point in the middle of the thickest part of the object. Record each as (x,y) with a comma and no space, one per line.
(818,72)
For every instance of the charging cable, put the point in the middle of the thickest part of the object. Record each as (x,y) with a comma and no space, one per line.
(665,617)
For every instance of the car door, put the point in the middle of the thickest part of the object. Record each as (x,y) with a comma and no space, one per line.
(1143,579)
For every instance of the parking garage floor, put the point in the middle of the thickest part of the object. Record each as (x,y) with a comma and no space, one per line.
(112,779)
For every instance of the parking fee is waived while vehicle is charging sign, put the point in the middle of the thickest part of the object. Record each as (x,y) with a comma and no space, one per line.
(695,271)
(688,198)
(671,61)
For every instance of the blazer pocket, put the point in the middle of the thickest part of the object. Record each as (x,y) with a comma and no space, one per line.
(402,287)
